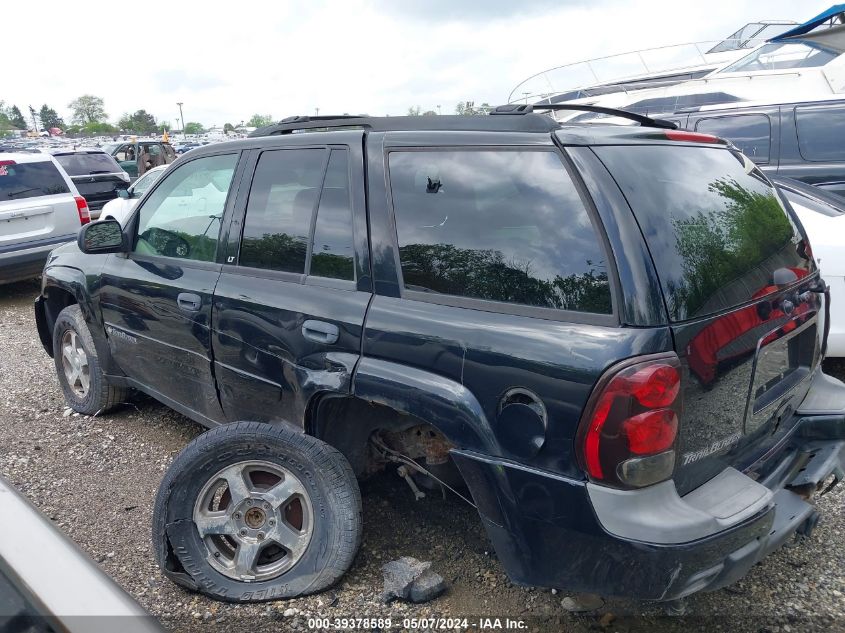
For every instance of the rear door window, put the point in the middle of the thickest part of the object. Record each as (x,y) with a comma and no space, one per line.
(713,223)
(503,226)
(332,252)
(28,180)
(821,132)
(88,164)
(751,133)
(282,199)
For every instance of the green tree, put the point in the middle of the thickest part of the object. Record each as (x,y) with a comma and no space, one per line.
(468,108)
(429,113)
(192,127)
(141,122)
(5,122)
(88,109)
(260,120)
(50,118)
(16,118)
(228,127)
(414,111)
(164,126)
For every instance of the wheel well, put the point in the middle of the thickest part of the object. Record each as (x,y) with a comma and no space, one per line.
(56,300)
(349,423)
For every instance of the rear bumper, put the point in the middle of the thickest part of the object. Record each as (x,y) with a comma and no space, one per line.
(547,531)
(27,260)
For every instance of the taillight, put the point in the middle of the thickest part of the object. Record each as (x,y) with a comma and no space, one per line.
(82,209)
(4,163)
(628,431)
(692,137)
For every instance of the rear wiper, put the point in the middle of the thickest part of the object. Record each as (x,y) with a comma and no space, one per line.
(12,194)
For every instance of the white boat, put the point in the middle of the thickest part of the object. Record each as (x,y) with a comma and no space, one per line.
(804,63)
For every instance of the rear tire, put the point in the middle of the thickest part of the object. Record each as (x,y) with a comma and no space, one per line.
(83,383)
(279,512)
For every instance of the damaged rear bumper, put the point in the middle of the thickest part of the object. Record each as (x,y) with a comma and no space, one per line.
(548,531)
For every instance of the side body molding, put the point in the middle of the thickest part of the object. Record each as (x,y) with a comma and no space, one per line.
(445,404)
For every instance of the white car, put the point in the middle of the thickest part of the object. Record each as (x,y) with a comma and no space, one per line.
(823,216)
(120,208)
(40,208)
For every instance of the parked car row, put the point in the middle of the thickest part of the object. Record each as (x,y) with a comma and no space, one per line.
(611,335)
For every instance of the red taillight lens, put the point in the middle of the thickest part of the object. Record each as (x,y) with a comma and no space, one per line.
(4,163)
(82,209)
(651,432)
(628,431)
(692,137)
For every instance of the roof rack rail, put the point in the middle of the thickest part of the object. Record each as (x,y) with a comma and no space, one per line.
(447,122)
(517,109)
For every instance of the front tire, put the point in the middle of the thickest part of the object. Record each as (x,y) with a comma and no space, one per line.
(83,383)
(250,512)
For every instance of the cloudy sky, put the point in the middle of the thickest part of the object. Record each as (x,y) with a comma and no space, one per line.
(227,61)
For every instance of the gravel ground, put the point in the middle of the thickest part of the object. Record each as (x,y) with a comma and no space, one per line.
(96,479)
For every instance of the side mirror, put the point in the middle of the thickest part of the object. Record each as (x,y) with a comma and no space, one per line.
(105,236)
(124,193)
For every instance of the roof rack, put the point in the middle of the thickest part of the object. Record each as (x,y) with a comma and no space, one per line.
(524,109)
(531,123)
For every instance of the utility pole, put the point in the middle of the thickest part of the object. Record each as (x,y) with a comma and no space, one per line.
(34,122)
(182,116)
(316,111)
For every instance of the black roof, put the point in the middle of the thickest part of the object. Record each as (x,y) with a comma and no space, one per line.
(506,118)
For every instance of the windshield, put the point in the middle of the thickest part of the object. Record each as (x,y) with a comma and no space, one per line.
(784,55)
(87,164)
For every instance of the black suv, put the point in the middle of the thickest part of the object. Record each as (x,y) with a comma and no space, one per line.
(96,175)
(609,334)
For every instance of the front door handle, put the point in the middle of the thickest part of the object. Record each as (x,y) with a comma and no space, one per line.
(188,301)
(320,332)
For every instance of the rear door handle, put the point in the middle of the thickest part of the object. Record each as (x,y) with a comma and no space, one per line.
(320,332)
(188,301)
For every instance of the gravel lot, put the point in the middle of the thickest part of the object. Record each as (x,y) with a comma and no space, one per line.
(96,479)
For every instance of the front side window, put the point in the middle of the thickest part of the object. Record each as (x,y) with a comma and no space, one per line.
(182,217)
(505,226)
(821,132)
(751,133)
(282,199)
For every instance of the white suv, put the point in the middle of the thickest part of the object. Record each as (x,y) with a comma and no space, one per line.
(40,208)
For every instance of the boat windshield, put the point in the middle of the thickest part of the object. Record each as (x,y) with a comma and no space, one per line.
(784,55)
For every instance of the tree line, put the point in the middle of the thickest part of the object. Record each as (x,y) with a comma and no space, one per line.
(89,118)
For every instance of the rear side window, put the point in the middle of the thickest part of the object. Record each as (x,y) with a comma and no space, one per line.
(332,251)
(505,226)
(88,164)
(713,223)
(28,180)
(821,132)
(282,199)
(751,133)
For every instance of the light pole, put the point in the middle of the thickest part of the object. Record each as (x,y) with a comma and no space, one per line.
(182,116)
(438,110)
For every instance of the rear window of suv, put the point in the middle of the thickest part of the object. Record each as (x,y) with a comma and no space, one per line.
(88,164)
(505,226)
(713,223)
(29,180)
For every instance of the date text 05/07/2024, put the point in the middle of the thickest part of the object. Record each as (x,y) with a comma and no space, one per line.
(422,624)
